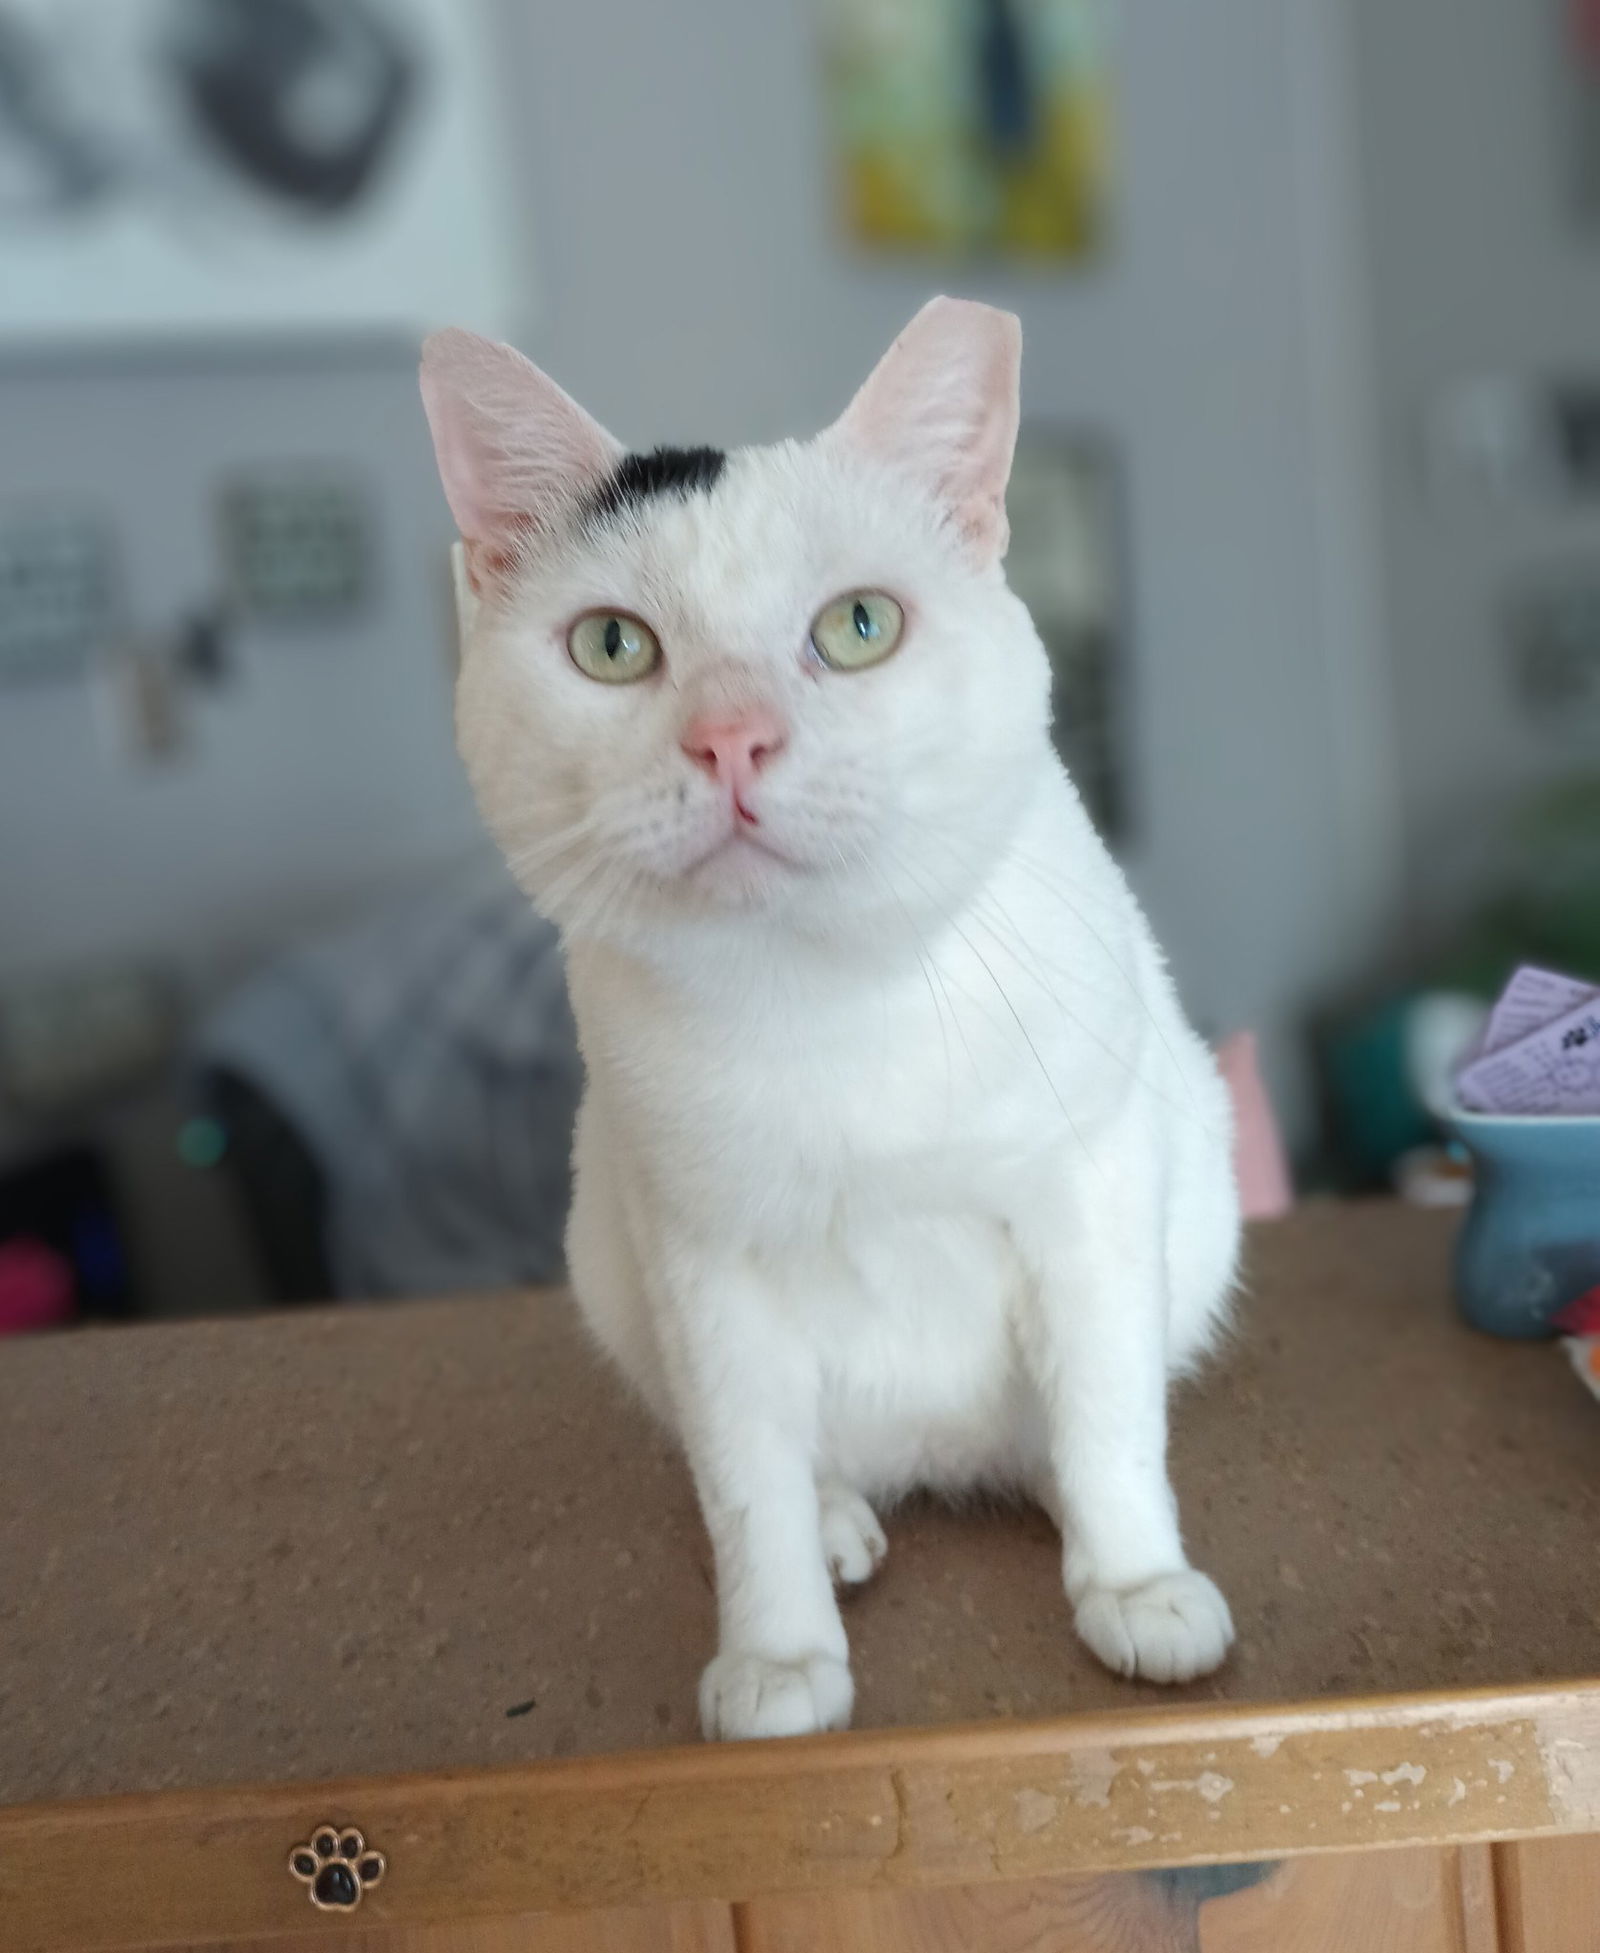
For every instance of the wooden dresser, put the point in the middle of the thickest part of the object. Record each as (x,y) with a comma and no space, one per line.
(421,1571)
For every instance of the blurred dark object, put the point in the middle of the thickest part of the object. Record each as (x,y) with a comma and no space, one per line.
(1577,436)
(1008,113)
(64,1202)
(280,1186)
(1373,1115)
(202,654)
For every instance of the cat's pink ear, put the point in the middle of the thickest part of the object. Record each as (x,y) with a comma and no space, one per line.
(512,447)
(942,405)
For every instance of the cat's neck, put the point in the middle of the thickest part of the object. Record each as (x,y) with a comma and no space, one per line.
(734,967)
(747,967)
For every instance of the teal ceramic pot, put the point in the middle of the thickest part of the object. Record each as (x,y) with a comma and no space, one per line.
(1531,1241)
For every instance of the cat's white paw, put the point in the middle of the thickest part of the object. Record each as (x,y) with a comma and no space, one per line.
(1170,1629)
(852,1540)
(746,1695)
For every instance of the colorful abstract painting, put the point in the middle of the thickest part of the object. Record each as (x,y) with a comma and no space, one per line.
(972,127)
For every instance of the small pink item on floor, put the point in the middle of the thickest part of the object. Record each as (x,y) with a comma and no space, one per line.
(1259,1159)
(36,1287)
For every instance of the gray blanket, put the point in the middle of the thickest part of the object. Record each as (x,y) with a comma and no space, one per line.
(427,1058)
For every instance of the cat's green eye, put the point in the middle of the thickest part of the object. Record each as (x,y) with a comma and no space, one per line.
(613,647)
(858,629)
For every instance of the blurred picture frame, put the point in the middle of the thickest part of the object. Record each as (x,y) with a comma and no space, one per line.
(1067,562)
(1582,89)
(255,167)
(972,128)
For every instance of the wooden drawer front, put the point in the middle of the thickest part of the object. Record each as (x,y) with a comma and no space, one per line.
(659,1929)
(1413,1901)
(1550,1895)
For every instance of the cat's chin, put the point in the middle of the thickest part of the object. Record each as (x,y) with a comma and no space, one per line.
(740,871)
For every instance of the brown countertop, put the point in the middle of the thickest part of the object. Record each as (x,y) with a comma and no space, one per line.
(372,1540)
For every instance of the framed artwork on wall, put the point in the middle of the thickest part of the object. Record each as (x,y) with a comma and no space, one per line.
(204,166)
(1583,91)
(1066,563)
(971,127)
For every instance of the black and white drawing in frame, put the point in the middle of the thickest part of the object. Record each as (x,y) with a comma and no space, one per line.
(204,165)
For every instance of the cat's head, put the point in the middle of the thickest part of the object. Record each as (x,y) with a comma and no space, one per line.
(786,684)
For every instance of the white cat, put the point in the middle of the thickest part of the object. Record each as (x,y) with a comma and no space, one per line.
(898,1165)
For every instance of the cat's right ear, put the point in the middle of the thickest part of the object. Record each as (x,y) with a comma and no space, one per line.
(513,449)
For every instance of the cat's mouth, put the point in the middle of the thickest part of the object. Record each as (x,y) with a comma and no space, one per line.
(742,844)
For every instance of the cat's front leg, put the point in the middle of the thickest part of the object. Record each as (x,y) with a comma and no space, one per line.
(745,1393)
(1095,1327)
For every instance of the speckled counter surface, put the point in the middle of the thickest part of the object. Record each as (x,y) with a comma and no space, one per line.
(374,1540)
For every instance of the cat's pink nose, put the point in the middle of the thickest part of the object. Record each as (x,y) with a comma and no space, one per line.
(733,748)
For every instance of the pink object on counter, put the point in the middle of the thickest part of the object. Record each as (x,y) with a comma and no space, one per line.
(1259,1159)
(36,1286)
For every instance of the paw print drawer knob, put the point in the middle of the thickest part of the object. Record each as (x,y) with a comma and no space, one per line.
(336,1868)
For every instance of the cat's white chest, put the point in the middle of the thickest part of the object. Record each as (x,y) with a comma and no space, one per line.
(892,1108)
(868,1155)
(910,1314)
(863,1170)
(890,1257)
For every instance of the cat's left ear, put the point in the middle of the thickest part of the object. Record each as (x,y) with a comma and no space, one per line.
(942,406)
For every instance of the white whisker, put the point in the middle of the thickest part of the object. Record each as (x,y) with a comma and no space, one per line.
(1016,1016)
(1052,885)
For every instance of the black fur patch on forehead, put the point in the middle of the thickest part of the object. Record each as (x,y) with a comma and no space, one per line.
(668,471)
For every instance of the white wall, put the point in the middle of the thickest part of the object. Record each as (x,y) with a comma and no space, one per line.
(325,767)
(1479,266)
(692,287)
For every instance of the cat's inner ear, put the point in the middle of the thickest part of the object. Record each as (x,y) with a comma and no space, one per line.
(513,449)
(941,405)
